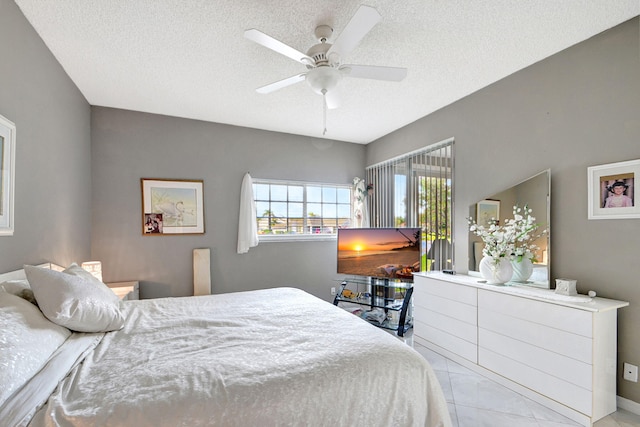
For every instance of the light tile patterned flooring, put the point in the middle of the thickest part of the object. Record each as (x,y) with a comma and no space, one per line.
(476,401)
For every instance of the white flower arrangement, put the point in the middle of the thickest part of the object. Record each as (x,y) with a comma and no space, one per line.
(498,240)
(525,227)
(513,241)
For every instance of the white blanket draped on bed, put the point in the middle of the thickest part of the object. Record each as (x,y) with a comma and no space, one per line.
(263,358)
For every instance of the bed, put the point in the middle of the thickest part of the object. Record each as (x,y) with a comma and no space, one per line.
(273,357)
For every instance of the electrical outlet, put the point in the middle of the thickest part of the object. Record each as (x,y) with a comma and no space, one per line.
(630,372)
(333,291)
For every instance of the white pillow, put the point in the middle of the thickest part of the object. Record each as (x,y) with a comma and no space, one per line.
(15,286)
(27,339)
(19,287)
(75,270)
(74,302)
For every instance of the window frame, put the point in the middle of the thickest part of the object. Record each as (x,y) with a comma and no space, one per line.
(285,237)
(419,167)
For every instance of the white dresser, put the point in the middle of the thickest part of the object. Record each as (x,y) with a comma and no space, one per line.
(557,350)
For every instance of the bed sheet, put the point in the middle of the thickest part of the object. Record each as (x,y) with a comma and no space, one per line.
(274,357)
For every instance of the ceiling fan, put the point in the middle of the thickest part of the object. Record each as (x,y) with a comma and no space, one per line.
(324,60)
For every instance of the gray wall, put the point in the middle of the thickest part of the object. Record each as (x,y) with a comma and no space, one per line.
(53,150)
(573,110)
(576,109)
(128,146)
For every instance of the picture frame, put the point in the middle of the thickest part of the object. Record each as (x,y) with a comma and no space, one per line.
(486,210)
(172,206)
(613,190)
(7,175)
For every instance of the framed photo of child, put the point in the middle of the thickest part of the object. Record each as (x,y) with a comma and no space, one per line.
(613,192)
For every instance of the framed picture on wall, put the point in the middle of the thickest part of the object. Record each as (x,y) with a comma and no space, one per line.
(7,175)
(486,211)
(172,206)
(613,190)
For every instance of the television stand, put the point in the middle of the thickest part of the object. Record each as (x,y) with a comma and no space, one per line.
(384,303)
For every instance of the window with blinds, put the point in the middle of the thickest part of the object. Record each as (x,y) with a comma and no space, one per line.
(416,190)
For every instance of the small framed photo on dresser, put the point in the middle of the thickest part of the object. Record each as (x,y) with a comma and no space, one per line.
(613,192)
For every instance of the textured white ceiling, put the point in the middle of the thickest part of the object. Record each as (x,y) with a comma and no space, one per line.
(189,58)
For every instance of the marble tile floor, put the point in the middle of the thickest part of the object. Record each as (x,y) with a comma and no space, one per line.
(476,401)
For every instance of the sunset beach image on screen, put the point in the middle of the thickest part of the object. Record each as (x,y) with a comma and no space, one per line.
(392,253)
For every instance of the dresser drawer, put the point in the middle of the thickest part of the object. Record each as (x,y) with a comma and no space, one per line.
(456,345)
(464,294)
(548,385)
(454,309)
(577,347)
(447,324)
(535,360)
(554,315)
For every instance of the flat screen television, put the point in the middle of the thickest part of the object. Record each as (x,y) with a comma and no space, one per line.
(383,253)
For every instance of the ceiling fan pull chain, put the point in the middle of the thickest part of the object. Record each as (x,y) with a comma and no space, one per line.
(324,110)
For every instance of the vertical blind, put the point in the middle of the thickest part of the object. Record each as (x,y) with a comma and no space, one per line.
(416,190)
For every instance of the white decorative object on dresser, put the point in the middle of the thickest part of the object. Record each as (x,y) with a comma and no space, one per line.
(558,350)
(126,290)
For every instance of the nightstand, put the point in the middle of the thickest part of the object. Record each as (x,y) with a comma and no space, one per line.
(126,290)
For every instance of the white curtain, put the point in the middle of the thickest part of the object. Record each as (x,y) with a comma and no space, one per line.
(360,206)
(247,223)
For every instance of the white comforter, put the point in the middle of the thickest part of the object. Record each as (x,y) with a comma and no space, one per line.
(277,357)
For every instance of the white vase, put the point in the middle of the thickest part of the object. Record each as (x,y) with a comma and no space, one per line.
(522,270)
(496,273)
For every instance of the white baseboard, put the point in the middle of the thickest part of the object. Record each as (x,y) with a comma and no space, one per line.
(628,405)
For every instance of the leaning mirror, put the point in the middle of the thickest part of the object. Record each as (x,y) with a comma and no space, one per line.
(535,193)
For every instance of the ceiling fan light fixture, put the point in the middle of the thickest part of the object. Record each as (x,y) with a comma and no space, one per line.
(323,79)
(323,32)
(324,60)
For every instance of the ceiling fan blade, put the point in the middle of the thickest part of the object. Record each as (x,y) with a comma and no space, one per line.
(360,24)
(393,74)
(332,99)
(277,46)
(281,83)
